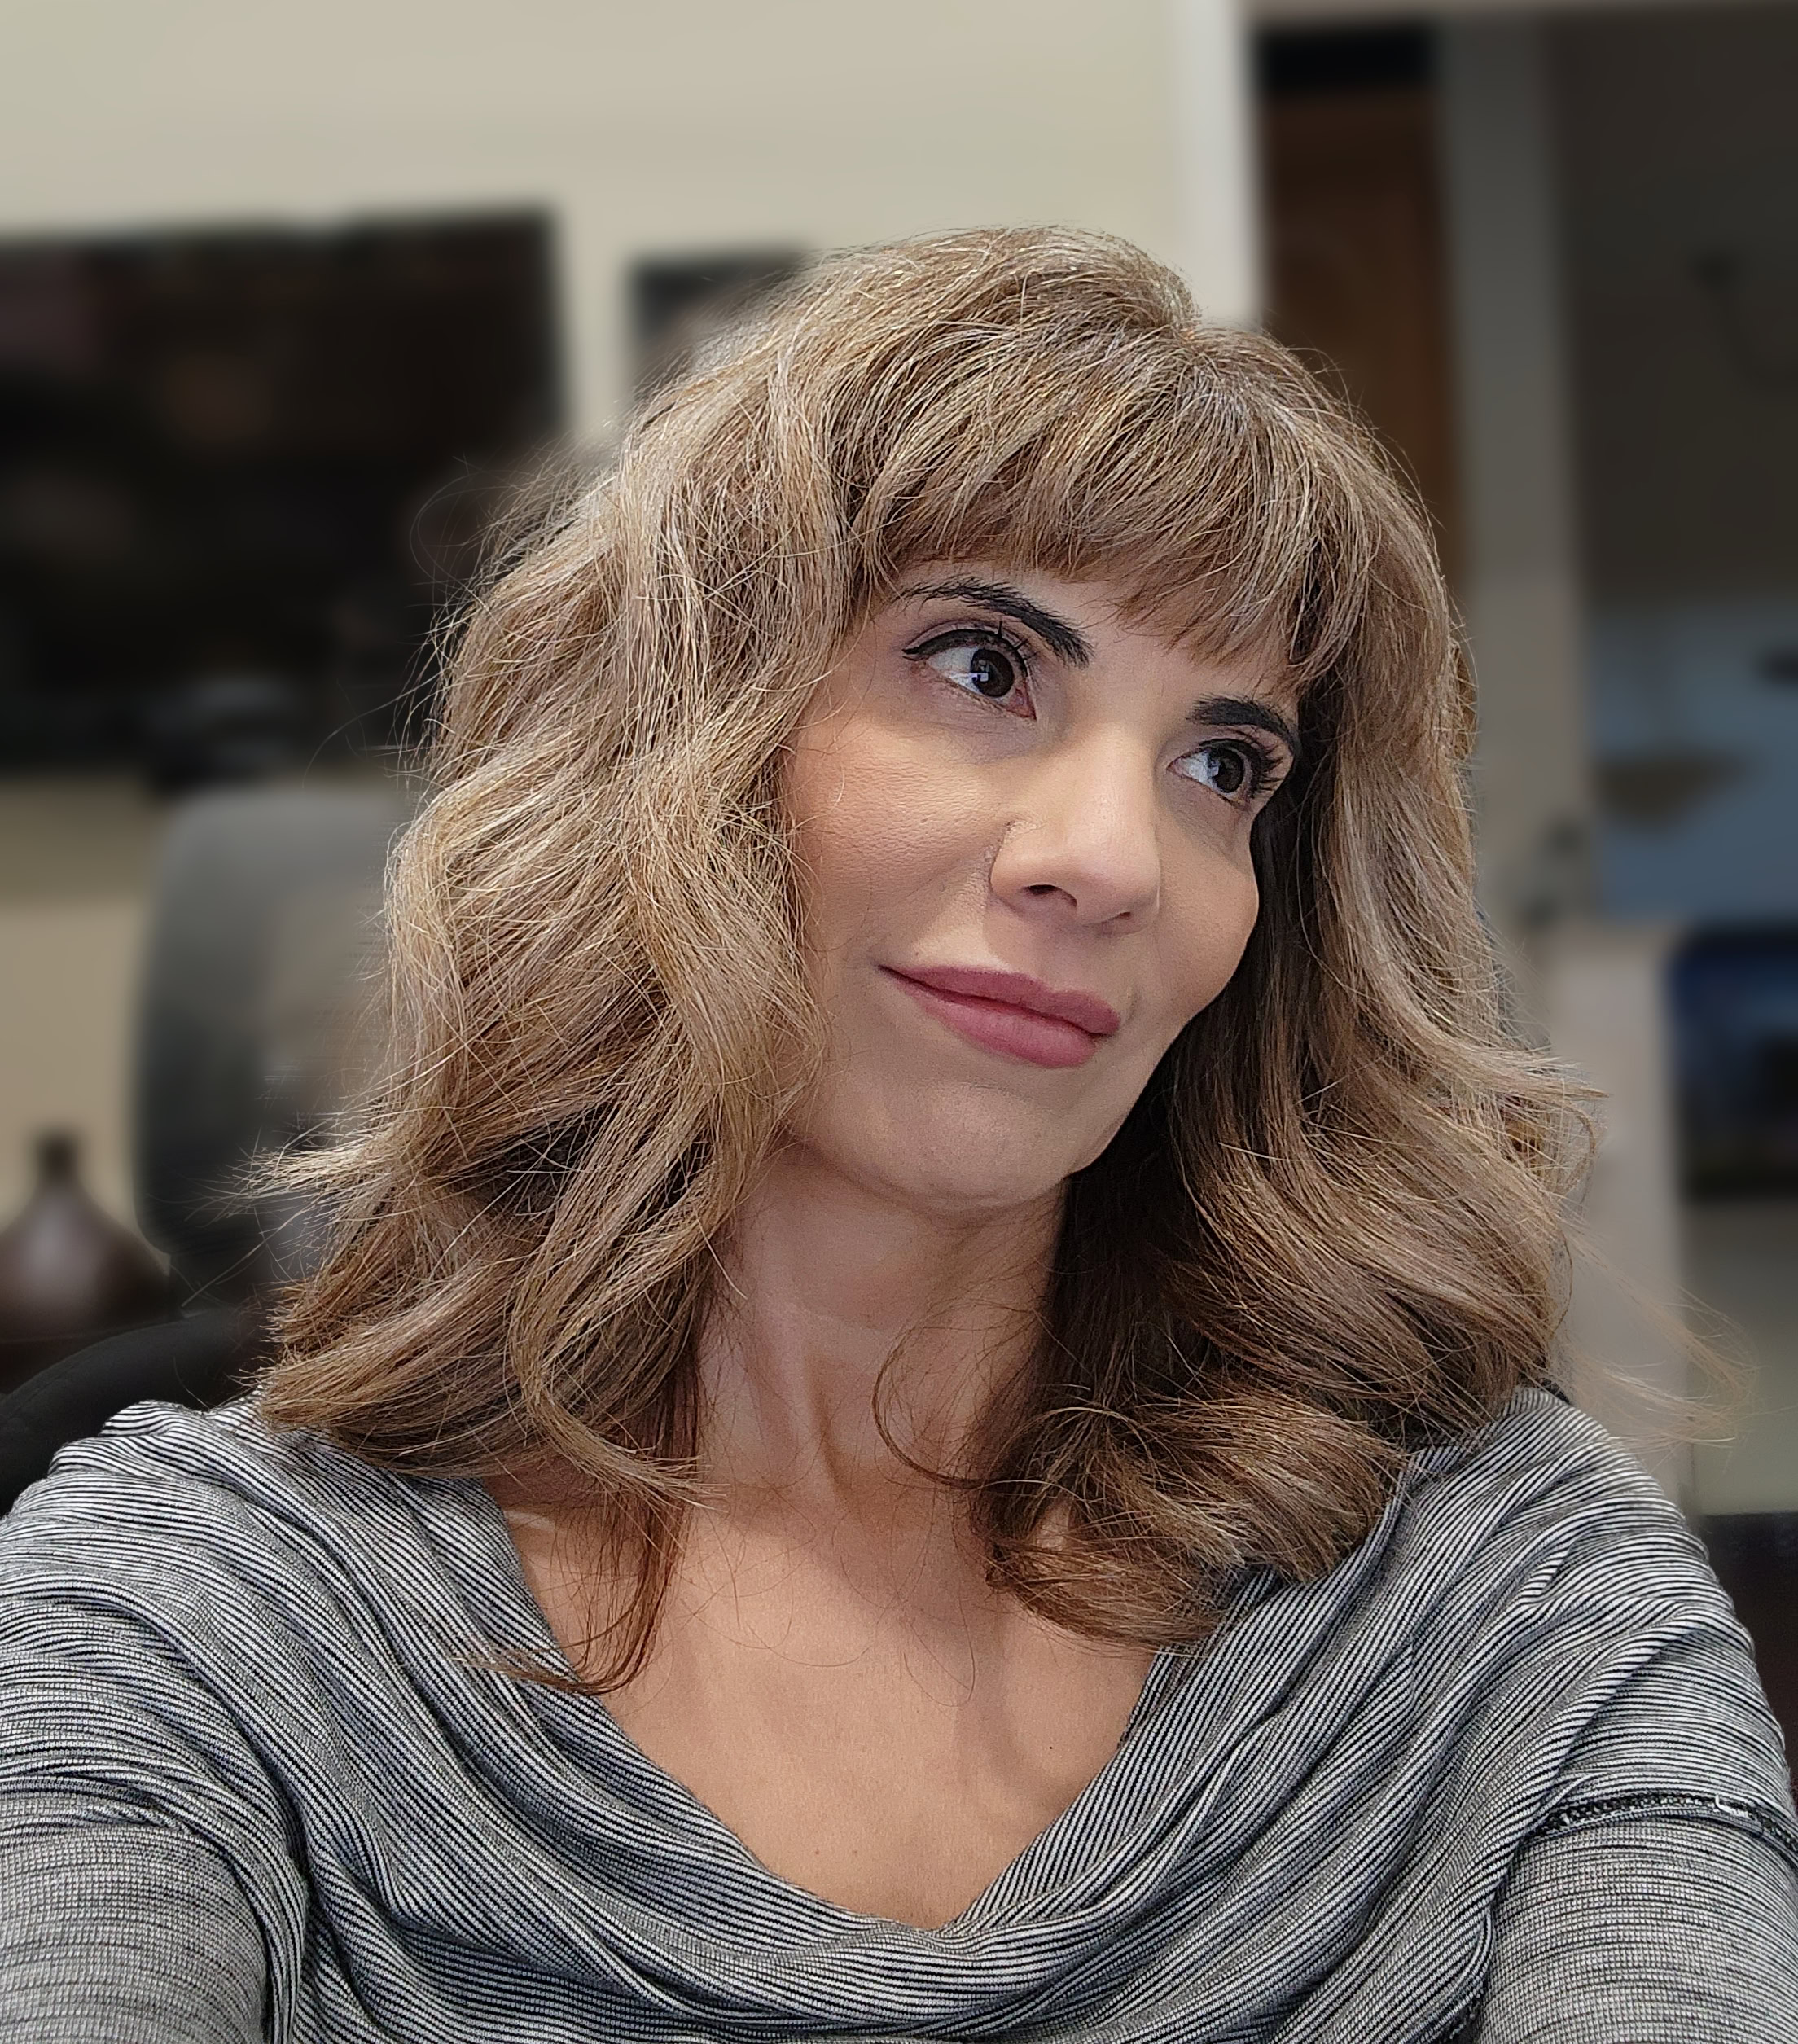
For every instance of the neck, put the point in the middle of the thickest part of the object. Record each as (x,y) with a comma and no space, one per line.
(827,1280)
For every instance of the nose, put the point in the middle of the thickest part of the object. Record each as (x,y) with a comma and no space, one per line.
(1084,833)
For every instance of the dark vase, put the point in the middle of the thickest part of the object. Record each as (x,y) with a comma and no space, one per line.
(68,1273)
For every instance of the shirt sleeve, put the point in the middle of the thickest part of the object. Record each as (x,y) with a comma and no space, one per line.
(148,1888)
(124,1931)
(1658,1927)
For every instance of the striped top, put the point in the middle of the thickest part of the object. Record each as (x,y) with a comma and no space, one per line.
(1506,1773)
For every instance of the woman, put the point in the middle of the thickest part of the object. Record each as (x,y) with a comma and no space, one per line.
(928,1415)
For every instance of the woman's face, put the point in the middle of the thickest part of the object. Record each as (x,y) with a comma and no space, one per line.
(1024,828)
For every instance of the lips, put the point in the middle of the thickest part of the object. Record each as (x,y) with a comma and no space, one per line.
(1013,1014)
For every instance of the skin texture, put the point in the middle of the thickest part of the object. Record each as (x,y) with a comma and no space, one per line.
(1001,770)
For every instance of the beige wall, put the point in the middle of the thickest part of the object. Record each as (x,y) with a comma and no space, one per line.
(682,125)
(643,126)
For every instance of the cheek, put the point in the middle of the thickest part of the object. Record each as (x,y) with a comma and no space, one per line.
(874,826)
(1209,937)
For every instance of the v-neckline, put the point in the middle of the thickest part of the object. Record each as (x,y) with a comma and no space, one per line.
(592,1710)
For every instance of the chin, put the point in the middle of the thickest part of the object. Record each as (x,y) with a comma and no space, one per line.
(960,1155)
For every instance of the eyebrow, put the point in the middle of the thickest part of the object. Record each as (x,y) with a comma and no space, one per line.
(1063,639)
(1245,710)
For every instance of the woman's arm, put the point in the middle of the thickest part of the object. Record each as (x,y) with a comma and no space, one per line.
(126,1932)
(1656,1928)
(147,1889)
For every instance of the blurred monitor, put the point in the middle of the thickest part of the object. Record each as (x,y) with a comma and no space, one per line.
(240,474)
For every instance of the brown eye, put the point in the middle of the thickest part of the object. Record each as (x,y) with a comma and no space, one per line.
(991,672)
(1236,771)
(976,665)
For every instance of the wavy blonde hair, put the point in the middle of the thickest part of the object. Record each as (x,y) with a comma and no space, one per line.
(1331,1227)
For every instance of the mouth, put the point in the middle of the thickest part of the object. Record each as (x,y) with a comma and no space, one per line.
(1012,1014)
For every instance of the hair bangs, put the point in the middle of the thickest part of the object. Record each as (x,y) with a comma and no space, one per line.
(1221,516)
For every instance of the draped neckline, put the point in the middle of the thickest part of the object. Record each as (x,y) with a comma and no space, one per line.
(526,1619)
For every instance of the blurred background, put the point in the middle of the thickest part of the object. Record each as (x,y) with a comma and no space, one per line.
(285,295)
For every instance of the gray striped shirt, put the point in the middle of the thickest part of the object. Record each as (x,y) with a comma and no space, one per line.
(1505,1773)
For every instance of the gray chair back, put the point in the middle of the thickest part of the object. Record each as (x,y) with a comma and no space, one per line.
(258,989)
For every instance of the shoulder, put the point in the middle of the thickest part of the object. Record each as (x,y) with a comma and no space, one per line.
(185,1629)
(1529,1639)
(1531,1629)
(1541,1531)
(209,1530)
(208,1624)
(207,1479)
(1542,1483)
(1565,1594)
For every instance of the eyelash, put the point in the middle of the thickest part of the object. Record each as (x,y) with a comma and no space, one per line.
(986,635)
(1263,765)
